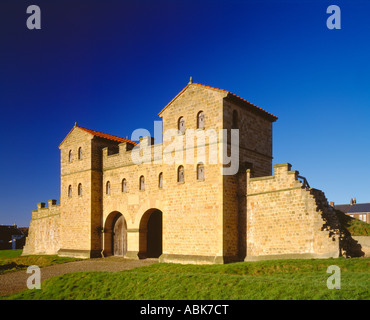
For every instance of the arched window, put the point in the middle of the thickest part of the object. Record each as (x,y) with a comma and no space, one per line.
(160,180)
(80,189)
(107,188)
(70,156)
(180,174)
(235,120)
(69,191)
(142,183)
(79,153)
(124,185)
(200,120)
(181,125)
(200,171)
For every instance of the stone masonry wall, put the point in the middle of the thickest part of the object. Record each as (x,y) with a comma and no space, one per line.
(44,232)
(287,220)
(255,151)
(76,210)
(81,213)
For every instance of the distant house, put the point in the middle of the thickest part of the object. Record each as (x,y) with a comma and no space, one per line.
(24,230)
(10,234)
(360,211)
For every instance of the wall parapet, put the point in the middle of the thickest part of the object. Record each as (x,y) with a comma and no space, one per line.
(43,212)
(44,231)
(127,154)
(283,178)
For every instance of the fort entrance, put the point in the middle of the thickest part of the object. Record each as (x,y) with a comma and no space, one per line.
(115,235)
(150,242)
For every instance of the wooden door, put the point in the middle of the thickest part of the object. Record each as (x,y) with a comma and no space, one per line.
(119,237)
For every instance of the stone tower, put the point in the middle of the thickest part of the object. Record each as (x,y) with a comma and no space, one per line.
(81,191)
(219,207)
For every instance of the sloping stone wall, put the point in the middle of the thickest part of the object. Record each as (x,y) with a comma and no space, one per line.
(285,219)
(44,232)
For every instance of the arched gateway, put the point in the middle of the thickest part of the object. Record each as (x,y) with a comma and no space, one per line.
(115,235)
(150,240)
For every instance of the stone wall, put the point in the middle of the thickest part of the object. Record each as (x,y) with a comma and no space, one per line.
(364,242)
(81,214)
(255,151)
(285,219)
(44,231)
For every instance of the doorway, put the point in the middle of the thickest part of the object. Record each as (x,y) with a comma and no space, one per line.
(151,224)
(119,236)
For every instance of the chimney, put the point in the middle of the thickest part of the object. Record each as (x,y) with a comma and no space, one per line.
(354,201)
(351,203)
(332,203)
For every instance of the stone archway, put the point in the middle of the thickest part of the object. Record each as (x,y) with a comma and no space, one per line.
(115,234)
(151,234)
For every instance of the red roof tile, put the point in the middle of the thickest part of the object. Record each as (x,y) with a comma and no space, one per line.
(100,135)
(106,136)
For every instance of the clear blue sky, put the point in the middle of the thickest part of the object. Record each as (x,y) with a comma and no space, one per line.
(113,65)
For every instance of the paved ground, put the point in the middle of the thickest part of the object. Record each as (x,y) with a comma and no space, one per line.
(13,282)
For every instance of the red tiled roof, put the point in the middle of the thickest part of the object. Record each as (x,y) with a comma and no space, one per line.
(230,94)
(253,105)
(100,135)
(106,136)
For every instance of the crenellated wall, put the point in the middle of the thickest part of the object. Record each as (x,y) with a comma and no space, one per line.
(44,232)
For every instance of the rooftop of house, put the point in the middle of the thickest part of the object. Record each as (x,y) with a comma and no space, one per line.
(8,231)
(352,207)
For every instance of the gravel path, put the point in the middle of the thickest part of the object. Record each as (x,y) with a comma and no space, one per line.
(13,282)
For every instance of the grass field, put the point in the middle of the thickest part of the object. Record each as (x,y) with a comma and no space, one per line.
(279,280)
(11,260)
(8,254)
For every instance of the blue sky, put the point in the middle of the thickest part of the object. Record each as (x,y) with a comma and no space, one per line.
(112,66)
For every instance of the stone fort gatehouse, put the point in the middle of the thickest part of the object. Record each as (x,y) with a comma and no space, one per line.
(181,212)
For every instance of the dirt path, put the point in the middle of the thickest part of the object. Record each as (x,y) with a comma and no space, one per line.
(13,282)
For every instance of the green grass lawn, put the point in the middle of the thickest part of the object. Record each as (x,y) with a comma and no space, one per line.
(10,253)
(11,260)
(279,279)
